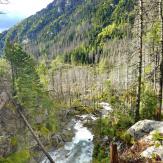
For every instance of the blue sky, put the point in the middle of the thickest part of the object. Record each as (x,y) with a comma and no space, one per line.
(17,10)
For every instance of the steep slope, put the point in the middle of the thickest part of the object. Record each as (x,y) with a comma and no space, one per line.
(66,24)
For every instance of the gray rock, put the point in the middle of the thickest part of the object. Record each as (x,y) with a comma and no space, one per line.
(144,127)
(153,150)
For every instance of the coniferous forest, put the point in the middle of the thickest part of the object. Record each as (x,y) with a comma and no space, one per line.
(81,81)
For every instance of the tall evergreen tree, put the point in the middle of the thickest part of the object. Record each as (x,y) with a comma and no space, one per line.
(26,86)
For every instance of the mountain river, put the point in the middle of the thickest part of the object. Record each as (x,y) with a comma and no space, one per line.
(80,149)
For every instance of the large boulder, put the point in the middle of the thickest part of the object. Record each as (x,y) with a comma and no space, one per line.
(143,128)
(150,146)
(153,151)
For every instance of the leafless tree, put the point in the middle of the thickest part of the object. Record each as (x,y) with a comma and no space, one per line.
(140,60)
(161,64)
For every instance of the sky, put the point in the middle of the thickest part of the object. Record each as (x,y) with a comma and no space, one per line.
(17,10)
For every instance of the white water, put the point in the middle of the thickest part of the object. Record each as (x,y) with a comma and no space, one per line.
(80,149)
(106,108)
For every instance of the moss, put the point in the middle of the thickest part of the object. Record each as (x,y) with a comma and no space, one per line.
(44,131)
(125,137)
(14,141)
(18,157)
(157,136)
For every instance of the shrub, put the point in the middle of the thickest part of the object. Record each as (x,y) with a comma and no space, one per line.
(18,157)
(148,104)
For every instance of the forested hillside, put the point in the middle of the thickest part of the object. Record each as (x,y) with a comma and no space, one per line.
(66,25)
(83,67)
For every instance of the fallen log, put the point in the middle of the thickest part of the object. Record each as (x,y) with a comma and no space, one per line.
(19,109)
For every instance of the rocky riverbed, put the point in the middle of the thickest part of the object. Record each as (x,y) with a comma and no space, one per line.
(80,148)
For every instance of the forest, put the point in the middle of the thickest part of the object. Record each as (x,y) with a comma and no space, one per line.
(81,81)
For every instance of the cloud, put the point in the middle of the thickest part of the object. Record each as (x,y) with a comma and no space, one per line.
(24,8)
(17,10)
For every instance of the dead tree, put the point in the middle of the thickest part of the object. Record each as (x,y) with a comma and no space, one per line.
(161,64)
(137,115)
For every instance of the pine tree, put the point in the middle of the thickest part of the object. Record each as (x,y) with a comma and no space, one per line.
(28,91)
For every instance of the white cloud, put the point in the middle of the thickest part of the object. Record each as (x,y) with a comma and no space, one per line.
(17,10)
(23,8)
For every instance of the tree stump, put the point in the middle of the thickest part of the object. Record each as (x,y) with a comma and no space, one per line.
(113,153)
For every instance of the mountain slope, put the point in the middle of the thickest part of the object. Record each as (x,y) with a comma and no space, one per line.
(64,25)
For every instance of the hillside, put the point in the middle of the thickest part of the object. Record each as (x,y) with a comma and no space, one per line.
(65,25)
(82,82)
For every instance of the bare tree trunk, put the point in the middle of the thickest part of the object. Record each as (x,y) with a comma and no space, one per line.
(19,108)
(53,80)
(155,67)
(161,64)
(137,115)
(61,84)
(13,76)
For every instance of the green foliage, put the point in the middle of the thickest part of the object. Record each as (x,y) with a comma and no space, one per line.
(153,35)
(77,56)
(112,31)
(100,154)
(107,127)
(148,104)
(123,120)
(14,141)
(42,71)
(148,69)
(125,137)
(51,121)
(4,67)
(124,11)
(57,63)
(29,90)
(107,31)
(51,125)
(44,131)
(18,157)
(157,136)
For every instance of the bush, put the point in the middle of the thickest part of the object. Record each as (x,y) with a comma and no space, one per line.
(125,137)
(148,104)
(18,157)
(124,121)
(157,136)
